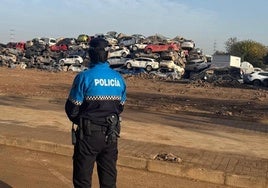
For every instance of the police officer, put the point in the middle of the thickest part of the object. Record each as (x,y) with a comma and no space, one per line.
(94,104)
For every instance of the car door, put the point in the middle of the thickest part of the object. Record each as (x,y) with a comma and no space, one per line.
(155,47)
(112,60)
(143,62)
(135,62)
(114,53)
(161,47)
(263,75)
(67,60)
(71,59)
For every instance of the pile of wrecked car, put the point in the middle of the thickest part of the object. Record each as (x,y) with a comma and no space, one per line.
(175,59)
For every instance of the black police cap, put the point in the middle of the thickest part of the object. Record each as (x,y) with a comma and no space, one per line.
(98,43)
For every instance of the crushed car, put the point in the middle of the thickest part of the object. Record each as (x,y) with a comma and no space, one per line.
(164,73)
(134,71)
(118,51)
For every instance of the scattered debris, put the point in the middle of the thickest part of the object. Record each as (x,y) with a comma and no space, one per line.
(167,157)
(224,113)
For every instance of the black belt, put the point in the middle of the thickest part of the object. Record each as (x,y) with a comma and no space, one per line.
(98,124)
(95,127)
(89,127)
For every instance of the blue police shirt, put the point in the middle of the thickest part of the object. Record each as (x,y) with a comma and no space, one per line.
(96,92)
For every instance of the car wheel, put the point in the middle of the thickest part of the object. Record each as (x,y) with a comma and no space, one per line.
(170,77)
(256,82)
(152,76)
(38,60)
(135,48)
(76,61)
(265,82)
(124,54)
(61,62)
(128,65)
(148,68)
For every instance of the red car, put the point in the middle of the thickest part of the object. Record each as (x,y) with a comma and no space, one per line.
(161,47)
(16,45)
(58,48)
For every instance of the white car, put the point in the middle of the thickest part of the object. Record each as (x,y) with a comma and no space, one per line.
(117,61)
(48,41)
(171,65)
(136,47)
(142,62)
(111,40)
(256,78)
(77,68)
(72,59)
(118,52)
(187,45)
(167,63)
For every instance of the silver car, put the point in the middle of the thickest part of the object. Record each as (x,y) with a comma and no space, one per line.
(259,78)
(117,60)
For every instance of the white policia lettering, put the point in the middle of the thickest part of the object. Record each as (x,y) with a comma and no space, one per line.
(107,82)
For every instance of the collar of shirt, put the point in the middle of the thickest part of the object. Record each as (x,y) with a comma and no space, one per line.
(100,64)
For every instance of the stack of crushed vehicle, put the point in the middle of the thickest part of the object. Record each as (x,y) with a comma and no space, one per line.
(155,56)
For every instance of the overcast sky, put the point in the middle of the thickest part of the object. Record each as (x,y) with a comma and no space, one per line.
(207,22)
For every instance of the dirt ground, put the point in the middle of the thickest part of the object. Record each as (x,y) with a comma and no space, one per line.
(195,98)
(193,128)
(44,170)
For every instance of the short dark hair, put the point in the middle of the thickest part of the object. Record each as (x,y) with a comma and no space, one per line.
(98,50)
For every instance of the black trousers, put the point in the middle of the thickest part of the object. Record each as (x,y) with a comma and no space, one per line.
(91,149)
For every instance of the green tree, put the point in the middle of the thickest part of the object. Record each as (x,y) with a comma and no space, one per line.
(251,51)
(229,43)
